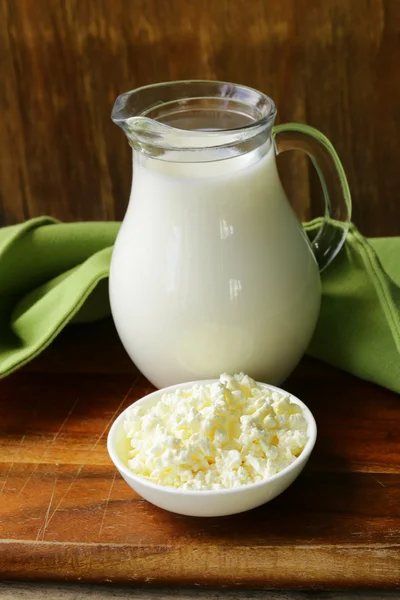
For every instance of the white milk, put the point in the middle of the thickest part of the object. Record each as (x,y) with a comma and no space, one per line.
(212,272)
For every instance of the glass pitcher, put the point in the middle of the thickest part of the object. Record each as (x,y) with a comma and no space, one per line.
(211,270)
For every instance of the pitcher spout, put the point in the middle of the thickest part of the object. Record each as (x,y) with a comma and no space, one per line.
(129,114)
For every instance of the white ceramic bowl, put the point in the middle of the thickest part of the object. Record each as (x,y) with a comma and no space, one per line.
(207,503)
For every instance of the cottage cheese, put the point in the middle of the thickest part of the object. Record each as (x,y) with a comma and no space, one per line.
(222,435)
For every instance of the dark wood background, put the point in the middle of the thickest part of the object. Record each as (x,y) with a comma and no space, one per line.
(331,63)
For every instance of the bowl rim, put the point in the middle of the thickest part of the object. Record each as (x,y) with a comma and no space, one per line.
(123,469)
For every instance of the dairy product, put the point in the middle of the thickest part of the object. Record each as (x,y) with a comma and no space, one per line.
(212,272)
(221,435)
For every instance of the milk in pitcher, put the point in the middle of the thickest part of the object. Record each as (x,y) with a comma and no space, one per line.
(197,281)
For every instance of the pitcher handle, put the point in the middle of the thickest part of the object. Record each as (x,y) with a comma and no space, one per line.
(329,231)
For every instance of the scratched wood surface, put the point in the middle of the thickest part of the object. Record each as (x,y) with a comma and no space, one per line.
(65,514)
(331,63)
(30,591)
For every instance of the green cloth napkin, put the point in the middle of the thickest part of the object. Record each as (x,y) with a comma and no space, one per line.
(52,273)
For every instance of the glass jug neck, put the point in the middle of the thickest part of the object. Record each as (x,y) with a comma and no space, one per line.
(195,121)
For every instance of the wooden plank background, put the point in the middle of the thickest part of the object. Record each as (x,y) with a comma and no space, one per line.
(331,63)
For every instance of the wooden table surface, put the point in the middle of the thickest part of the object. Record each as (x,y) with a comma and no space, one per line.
(66,514)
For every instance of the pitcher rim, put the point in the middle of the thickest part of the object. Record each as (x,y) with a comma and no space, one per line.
(134,119)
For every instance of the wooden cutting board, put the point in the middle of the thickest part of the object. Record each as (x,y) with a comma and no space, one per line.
(66,514)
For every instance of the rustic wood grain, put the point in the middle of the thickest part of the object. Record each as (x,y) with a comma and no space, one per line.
(65,514)
(331,63)
(21,591)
